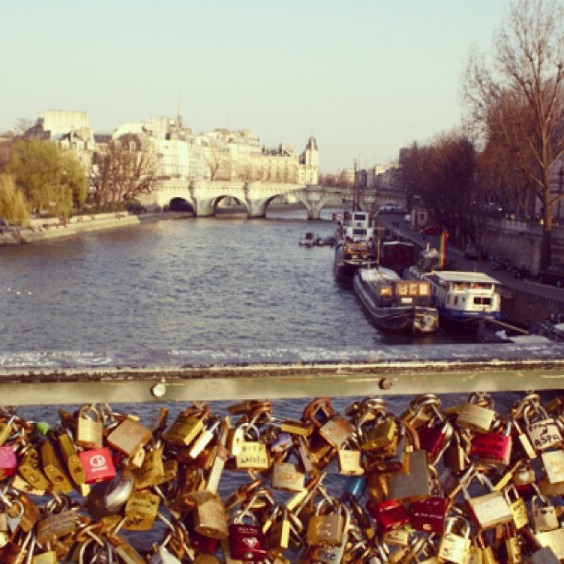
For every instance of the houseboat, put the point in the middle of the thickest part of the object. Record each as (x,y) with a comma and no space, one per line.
(396,305)
(355,245)
(464,298)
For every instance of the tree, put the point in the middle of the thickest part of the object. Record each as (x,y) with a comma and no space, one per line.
(52,180)
(123,170)
(516,101)
(13,205)
(442,174)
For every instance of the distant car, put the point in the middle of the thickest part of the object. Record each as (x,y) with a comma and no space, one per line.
(430,230)
(554,274)
(389,208)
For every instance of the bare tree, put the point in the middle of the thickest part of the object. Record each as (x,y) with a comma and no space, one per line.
(125,169)
(519,96)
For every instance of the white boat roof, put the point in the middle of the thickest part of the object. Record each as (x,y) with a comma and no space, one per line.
(464,276)
(378,273)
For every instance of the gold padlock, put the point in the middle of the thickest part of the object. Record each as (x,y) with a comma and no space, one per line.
(210,518)
(476,416)
(70,457)
(89,430)
(54,469)
(326,526)
(186,427)
(141,511)
(129,436)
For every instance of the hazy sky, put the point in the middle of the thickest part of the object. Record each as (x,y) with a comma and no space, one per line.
(366,77)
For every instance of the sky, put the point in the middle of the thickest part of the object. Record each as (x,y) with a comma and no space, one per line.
(364,77)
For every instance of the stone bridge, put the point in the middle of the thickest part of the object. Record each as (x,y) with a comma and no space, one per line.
(204,196)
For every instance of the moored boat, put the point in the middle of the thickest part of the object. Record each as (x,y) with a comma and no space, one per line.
(394,304)
(308,239)
(464,298)
(491,330)
(355,245)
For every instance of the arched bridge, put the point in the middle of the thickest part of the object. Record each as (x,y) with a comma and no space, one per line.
(204,196)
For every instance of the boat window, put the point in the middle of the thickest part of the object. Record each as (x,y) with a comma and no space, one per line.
(424,289)
(401,289)
(482,301)
(386,291)
(360,231)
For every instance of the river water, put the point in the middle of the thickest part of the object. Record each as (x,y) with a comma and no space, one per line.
(192,283)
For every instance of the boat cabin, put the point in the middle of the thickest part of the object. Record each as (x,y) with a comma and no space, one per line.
(356,226)
(391,290)
(465,291)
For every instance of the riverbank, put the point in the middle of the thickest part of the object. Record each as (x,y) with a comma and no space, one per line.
(49,229)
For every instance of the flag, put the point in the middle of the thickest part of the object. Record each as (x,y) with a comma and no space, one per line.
(443,249)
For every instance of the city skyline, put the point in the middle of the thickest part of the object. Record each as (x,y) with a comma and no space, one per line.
(366,79)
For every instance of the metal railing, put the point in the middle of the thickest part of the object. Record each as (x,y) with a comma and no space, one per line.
(57,378)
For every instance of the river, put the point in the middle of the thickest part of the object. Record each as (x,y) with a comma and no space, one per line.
(195,282)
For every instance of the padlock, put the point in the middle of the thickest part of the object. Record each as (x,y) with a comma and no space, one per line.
(326,526)
(110,496)
(454,545)
(277,537)
(287,477)
(517,506)
(524,441)
(89,430)
(543,431)
(553,462)
(493,447)
(30,469)
(543,514)
(253,454)
(152,471)
(54,469)
(477,413)
(553,539)
(8,462)
(246,540)
(210,517)
(434,436)
(414,483)
(56,525)
(71,459)
(332,554)
(480,551)
(350,462)
(186,427)
(141,511)
(98,465)
(204,438)
(490,509)
(381,434)
(456,456)
(389,515)
(129,436)
(429,514)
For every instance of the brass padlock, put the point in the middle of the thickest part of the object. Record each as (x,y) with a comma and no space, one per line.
(253,454)
(543,514)
(476,416)
(490,509)
(70,457)
(186,427)
(287,477)
(152,471)
(89,430)
(129,436)
(543,431)
(326,526)
(210,518)
(553,462)
(30,470)
(54,469)
(455,543)
(141,511)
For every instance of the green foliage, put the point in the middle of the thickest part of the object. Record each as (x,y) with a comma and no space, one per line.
(52,181)
(13,205)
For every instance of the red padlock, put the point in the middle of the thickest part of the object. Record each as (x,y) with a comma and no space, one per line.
(246,541)
(98,465)
(494,448)
(8,462)
(428,514)
(389,514)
